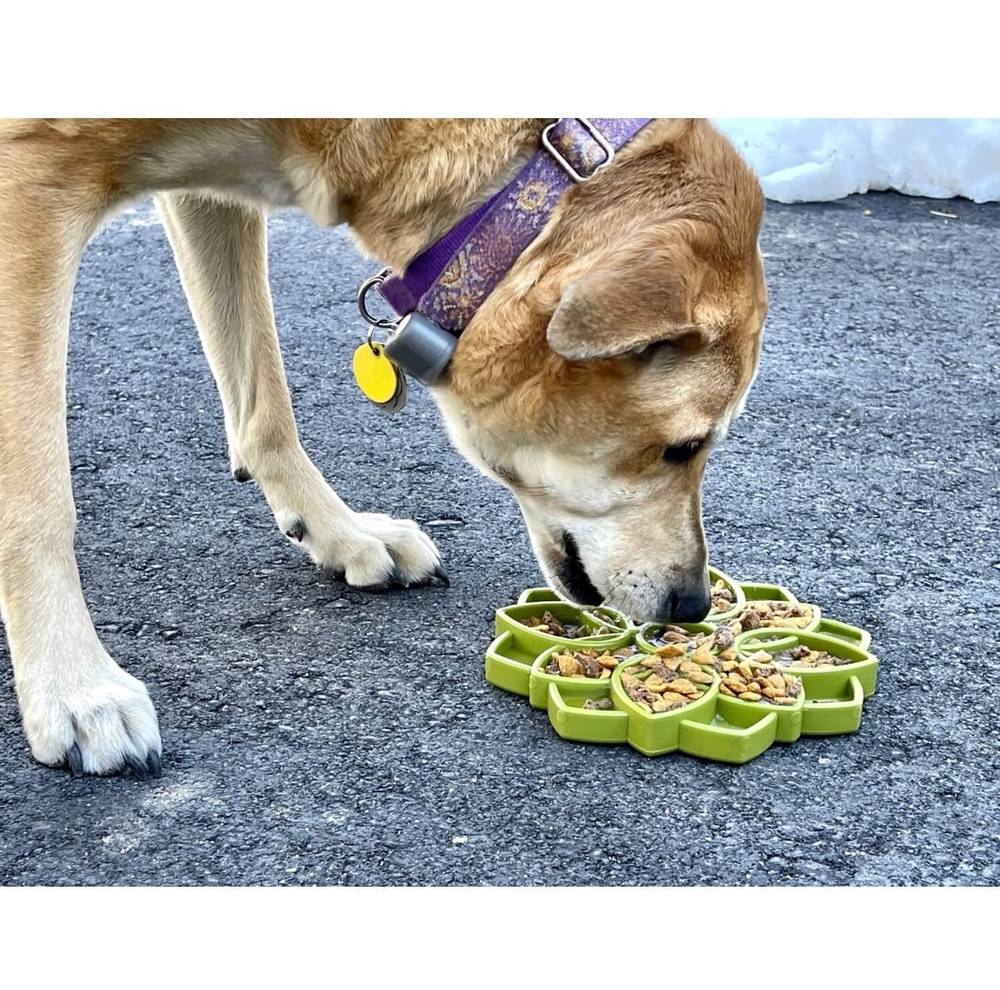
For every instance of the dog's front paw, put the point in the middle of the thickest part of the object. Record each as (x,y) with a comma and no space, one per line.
(85,713)
(375,551)
(413,557)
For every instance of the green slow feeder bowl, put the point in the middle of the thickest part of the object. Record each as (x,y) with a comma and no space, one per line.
(716,726)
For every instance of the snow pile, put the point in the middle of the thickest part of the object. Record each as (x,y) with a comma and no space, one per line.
(803,159)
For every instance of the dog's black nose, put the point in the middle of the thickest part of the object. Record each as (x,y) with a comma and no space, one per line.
(685,603)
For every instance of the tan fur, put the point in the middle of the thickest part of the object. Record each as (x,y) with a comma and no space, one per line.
(658,251)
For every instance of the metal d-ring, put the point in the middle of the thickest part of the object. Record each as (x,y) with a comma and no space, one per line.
(373,321)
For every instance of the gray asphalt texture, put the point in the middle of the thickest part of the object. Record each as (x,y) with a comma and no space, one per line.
(864,475)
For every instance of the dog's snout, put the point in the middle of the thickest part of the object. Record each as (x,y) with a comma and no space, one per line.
(685,603)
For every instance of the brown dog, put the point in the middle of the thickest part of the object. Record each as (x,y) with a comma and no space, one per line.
(592,382)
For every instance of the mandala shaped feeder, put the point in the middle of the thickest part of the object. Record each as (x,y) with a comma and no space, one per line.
(762,668)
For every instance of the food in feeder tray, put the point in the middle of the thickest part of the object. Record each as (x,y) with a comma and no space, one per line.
(723,598)
(656,687)
(762,615)
(767,684)
(709,649)
(548,623)
(587,663)
(670,678)
(802,656)
(763,668)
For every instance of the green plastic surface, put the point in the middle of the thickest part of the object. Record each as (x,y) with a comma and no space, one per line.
(715,726)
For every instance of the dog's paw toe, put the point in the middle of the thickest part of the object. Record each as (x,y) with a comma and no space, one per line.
(370,565)
(415,558)
(92,718)
(416,561)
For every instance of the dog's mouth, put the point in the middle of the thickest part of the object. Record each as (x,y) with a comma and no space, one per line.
(572,575)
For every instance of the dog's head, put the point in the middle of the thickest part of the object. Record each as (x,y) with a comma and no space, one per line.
(600,374)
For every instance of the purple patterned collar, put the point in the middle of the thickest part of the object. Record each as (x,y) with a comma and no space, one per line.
(451,279)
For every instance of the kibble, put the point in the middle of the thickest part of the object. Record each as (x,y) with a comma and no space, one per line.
(764,615)
(803,656)
(723,597)
(661,684)
(708,650)
(595,664)
(548,623)
(759,682)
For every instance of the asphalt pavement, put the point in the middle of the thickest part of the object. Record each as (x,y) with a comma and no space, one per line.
(864,474)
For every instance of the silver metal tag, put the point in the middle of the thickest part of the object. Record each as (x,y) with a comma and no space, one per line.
(396,403)
(420,348)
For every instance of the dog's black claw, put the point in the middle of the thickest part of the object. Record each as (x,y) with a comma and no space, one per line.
(242,475)
(154,765)
(441,576)
(398,580)
(296,531)
(137,767)
(75,760)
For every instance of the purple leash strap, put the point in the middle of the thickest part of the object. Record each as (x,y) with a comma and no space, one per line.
(450,280)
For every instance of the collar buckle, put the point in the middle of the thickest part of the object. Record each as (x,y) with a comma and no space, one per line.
(561,160)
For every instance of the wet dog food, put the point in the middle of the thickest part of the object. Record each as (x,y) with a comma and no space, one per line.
(764,683)
(598,704)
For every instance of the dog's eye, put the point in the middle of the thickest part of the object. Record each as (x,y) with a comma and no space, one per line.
(683,451)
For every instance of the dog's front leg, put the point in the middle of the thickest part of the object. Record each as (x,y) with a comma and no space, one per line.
(78,707)
(221,253)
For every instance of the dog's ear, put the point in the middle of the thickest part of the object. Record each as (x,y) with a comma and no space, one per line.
(640,294)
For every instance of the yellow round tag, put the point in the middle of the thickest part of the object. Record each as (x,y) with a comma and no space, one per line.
(375,374)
